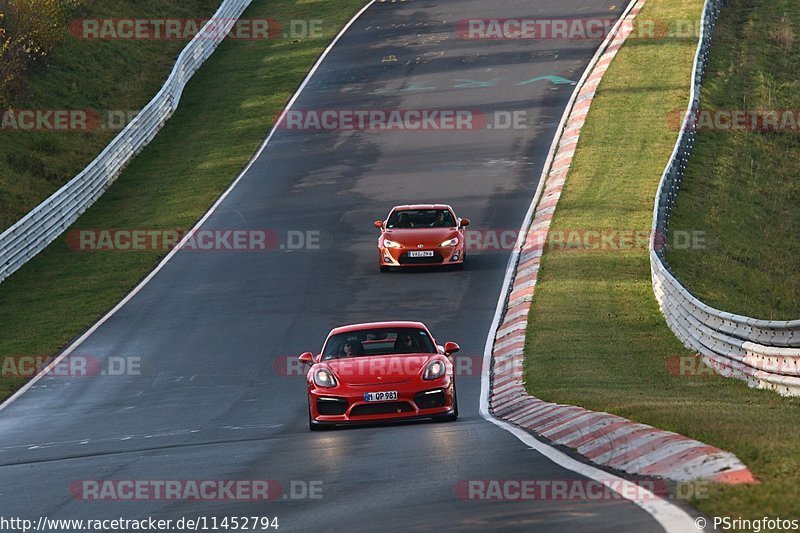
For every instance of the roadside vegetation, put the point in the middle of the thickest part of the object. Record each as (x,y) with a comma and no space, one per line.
(596,337)
(29,31)
(741,186)
(61,292)
(44,66)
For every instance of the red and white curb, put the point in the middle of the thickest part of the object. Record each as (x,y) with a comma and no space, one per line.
(602,438)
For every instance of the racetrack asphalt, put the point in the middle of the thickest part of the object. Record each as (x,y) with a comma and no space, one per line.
(214,329)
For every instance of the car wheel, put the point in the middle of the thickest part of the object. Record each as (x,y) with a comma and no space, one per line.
(385,268)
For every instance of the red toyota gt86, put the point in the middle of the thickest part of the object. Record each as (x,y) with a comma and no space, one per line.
(421,235)
(380,371)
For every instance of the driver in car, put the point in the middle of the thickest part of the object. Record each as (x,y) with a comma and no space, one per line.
(352,349)
(440,222)
(404,344)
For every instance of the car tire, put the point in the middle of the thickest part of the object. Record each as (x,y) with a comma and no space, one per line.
(385,268)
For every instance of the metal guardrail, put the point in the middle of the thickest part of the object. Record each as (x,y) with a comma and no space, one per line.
(32,233)
(765,353)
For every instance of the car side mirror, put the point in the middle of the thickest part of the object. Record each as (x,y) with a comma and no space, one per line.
(451,348)
(379,224)
(464,222)
(307,358)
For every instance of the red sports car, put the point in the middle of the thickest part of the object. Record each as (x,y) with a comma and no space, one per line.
(380,371)
(421,235)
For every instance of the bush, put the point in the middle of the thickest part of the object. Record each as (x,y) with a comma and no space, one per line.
(29,30)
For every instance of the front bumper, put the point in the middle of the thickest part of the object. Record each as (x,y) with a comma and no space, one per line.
(399,257)
(415,400)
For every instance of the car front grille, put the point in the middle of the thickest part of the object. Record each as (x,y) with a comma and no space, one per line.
(405,260)
(430,400)
(383,408)
(331,406)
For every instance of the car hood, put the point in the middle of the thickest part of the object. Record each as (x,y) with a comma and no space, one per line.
(379,369)
(428,237)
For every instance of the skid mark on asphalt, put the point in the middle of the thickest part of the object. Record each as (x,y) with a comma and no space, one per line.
(142,437)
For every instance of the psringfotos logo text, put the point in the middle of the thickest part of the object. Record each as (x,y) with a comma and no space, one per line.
(216,29)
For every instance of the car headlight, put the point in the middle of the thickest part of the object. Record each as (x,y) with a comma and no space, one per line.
(324,378)
(434,370)
(450,242)
(391,244)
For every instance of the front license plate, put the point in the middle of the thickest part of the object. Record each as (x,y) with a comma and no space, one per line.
(380,396)
(422,253)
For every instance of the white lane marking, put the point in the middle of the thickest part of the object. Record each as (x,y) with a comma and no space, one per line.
(191,232)
(669,516)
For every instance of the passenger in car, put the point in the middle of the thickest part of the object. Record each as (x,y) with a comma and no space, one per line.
(403,221)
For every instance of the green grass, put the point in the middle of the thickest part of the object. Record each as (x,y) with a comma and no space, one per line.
(741,188)
(596,337)
(170,184)
(84,74)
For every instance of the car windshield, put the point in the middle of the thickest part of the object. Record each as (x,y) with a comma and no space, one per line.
(421,218)
(382,341)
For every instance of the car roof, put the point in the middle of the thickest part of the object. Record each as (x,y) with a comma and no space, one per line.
(377,325)
(421,206)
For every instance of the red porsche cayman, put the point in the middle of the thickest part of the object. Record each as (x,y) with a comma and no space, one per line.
(421,235)
(380,371)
